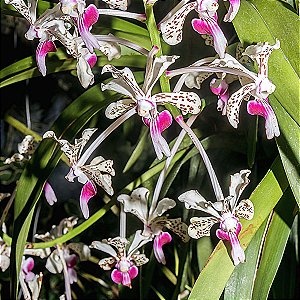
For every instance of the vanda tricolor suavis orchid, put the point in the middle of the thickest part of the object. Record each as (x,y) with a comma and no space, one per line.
(98,171)
(225,211)
(254,85)
(171,26)
(124,262)
(153,220)
(66,256)
(70,22)
(145,103)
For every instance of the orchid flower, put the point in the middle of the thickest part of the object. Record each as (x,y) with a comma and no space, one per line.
(144,102)
(171,26)
(79,251)
(5,251)
(226,212)
(65,257)
(25,150)
(124,263)
(99,171)
(30,283)
(154,222)
(258,86)
(54,25)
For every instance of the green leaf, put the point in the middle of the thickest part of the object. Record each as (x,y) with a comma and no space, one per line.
(208,285)
(274,246)
(137,150)
(269,17)
(241,281)
(61,65)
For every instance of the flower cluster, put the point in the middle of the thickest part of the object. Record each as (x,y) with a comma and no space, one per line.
(70,22)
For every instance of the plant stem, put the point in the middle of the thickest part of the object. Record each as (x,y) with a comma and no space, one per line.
(155,41)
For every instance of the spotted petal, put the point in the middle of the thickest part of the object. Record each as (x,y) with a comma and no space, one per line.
(107,263)
(200,227)
(187,102)
(235,101)
(139,259)
(136,203)
(261,107)
(261,53)
(22,8)
(171,28)
(116,109)
(178,227)
(238,183)
(117,4)
(82,250)
(193,200)
(100,172)
(245,210)
(72,152)
(124,83)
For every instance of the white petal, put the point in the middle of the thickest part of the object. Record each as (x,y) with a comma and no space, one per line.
(54,264)
(155,69)
(136,203)
(84,72)
(110,49)
(124,83)
(138,241)
(192,199)
(238,183)
(102,246)
(162,206)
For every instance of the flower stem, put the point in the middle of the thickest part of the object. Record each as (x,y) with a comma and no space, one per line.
(65,271)
(213,178)
(163,173)
(85,156)
(122,222)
